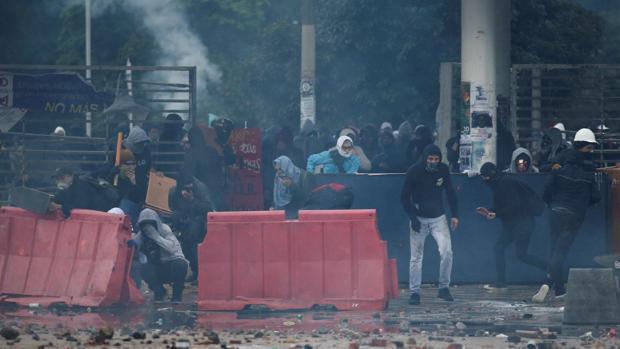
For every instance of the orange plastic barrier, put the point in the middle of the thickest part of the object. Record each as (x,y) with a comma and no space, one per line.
(82,261)
(324,258)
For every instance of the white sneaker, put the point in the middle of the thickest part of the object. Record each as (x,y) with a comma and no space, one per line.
(540,296)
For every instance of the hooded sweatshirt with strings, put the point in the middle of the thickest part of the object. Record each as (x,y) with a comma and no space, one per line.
(422,194)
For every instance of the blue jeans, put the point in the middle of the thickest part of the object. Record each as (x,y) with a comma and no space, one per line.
(438,228)
(131,209)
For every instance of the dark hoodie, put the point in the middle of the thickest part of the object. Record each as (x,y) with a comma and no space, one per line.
(422,194)
(423,136)
(572,185)
(512,199)
(552,146)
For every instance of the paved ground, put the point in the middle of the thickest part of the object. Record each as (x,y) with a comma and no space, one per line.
(477,319)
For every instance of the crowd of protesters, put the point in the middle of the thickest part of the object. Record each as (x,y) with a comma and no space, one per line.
(167,242)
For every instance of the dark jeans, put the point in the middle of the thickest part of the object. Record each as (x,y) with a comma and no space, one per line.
(193,232)
(564,228)
(520,231)
(156,275)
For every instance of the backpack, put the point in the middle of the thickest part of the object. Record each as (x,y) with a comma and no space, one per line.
(331,196)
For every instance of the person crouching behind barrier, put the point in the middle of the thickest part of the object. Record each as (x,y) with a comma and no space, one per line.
(422,199)
(290,188)
(165,260)
(515,204)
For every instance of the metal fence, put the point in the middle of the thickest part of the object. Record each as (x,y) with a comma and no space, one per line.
(30,153)
(576,95)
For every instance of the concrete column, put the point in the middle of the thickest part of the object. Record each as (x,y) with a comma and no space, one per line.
(485,63)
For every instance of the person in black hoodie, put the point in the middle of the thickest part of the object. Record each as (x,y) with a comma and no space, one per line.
(422,199)
(516,204)
(76,193)
(569,190)
(190,203)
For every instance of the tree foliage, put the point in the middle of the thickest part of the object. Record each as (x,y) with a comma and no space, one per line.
(376,60)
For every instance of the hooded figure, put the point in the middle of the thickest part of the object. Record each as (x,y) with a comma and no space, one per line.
(165,260)
(422,200)
(369,141)
(291,186)
(353,134)
(422,137)
(389,160)
(522,162)
(336,160)
(515,204)
(134,191)
(552,145)
(190,203)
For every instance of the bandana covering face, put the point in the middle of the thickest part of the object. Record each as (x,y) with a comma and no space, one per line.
(340,143)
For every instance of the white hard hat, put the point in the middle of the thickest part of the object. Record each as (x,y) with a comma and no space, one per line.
(585,135)
(560,126)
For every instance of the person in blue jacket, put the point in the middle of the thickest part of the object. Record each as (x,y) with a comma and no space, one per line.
(336,160)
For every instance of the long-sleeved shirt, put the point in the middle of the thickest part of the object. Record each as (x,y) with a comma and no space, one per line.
(422,194)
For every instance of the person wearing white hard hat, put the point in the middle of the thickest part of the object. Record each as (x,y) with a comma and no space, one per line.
(570,190)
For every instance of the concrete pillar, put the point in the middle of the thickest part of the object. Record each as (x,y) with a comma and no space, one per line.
(485,64)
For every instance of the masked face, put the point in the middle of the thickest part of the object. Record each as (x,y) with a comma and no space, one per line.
(523,165)
(346,150)
(432,163)
(64,182)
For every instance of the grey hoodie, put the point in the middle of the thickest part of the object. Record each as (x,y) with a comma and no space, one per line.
(136,135)
(515,155)
(162,235)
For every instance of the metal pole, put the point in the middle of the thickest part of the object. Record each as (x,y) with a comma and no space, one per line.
(129,80)
(192,96)
(88,62)
(308,51)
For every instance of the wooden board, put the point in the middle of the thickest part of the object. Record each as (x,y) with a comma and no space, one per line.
(157,194)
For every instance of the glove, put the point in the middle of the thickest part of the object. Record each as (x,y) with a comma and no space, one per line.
(415,225)
(132,243)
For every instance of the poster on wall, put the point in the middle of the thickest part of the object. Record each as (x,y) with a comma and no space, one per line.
(465,123)
(245,183)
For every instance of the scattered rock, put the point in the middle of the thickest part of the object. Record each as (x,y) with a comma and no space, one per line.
(235,341)
(514,339)
(354,345)
(378,343)
(103,334)
(307,346)
(398,344)
(213,337)
(528,316)
(138,335)
(9,333)
(411,341)
(461,326)
(259,335)
(455,346)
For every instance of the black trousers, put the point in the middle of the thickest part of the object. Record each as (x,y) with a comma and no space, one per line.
(564,228)
(519,230)
(156,275)
(193,232)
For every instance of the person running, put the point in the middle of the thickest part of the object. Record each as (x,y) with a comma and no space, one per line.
(569,190)
(422,199)
(516,205)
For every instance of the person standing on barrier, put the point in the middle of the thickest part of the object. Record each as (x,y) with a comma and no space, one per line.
(516,205)
(165,260)
(569,190)
(190,203)
(422,199)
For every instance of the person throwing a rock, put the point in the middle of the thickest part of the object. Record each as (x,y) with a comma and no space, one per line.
(422,199)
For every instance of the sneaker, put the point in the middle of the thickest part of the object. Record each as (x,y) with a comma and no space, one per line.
(414,299)
(559,295)
(444,293)
(496,287)
(540,296)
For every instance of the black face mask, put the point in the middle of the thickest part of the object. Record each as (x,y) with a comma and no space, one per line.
(432,166)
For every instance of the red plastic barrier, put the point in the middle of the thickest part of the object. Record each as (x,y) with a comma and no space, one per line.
(325,257)
(83,260)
